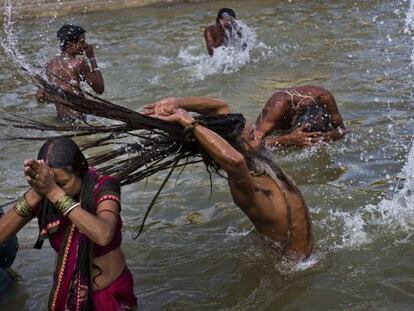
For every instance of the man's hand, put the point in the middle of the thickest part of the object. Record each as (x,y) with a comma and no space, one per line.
(299,137)
(179,116)
(164,107)
(39,176)
(89,51)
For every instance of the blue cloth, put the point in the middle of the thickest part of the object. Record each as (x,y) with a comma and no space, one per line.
(5,280)
(8,252)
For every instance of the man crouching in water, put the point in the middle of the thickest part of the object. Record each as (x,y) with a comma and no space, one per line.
(308,113)
(68,70)
(258,186)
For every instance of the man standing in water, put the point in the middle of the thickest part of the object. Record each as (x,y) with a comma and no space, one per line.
(309,112)
(215,35)
(68,69)
(267,196)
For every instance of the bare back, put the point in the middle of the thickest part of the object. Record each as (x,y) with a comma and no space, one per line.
(280,213)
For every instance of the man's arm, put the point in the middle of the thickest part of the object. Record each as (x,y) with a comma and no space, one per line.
(270,119)
(92,76)
(339,128)
(201,105)
(228,158)
(209,41)
(297,137)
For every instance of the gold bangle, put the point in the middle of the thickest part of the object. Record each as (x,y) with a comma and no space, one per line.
(64,203)
(23,208)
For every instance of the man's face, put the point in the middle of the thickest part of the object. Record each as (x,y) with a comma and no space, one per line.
(251,138)
(226,22)
(79,46)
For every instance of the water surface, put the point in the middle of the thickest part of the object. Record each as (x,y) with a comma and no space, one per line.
(196,252)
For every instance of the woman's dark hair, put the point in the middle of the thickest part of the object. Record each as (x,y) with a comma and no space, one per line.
(64,153)
(69,33)
(225,11)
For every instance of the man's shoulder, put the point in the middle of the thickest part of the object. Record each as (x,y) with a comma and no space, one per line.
(210,29)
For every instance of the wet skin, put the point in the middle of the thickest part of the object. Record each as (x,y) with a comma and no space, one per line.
(275,208)
(68,70)
(282,108)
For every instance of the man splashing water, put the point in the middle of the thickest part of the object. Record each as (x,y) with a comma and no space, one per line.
(226,32)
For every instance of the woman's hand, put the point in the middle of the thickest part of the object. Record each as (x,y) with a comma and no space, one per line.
(164,107)
(39,176)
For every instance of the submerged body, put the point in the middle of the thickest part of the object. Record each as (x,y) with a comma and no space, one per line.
(285,106)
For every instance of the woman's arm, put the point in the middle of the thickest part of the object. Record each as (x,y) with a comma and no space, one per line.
(11,222)
(98,228)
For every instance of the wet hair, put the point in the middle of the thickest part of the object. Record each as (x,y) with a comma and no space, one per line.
(69,33)
(64,153)
(316,118)
(225,11)
(159,145)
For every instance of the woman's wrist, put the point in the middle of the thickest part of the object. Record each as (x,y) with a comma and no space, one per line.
(65,204)
(32,197)
(55,193)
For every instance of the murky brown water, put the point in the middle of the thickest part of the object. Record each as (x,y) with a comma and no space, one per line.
(196,253)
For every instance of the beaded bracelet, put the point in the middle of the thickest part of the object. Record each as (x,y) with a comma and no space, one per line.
(189,129)
(65,204)
(23,208)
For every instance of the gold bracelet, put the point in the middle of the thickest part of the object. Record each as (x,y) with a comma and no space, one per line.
(189,129)
(23,208)
(65,203)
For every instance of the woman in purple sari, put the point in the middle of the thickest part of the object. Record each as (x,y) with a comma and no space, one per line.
(79,211)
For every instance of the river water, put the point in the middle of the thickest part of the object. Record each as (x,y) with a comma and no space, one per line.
(198,251)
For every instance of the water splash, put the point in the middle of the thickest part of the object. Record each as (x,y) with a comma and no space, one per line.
(398,212)
(10,43)
(409,26)
(226,59)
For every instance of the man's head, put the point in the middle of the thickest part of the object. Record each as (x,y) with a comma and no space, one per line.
(72,38)
(315,117)
(251,139)
(225,17)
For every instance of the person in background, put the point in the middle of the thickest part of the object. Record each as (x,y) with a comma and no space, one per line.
(308,113)
(217,35)
(68,69)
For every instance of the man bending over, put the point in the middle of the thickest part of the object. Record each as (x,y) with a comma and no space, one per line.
(309,113)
